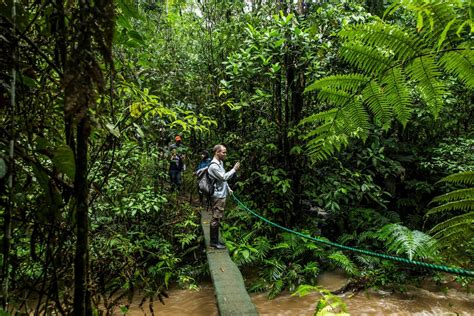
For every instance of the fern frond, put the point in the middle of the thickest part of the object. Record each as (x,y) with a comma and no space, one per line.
(325,145)
(461,65)
(438,13)
(460,228)
(342,261)
(425,72)
(401,240)
(334,96)
(466,177)
(368,59)
(388,37)
(357,119)
(398,94)
(455,195)
(461,205)
(318,131)
(455,231)
(347,83)
(276,288)
(374,97)
(324,116)
(465,221)
(443,20)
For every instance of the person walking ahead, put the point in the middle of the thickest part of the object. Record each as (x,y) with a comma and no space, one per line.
(217,173)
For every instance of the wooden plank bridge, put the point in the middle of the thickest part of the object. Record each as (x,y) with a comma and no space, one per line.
(231,296)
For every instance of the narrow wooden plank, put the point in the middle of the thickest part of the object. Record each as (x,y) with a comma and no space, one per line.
(231,295)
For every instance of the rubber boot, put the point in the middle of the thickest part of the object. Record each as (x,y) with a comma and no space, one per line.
(214,236)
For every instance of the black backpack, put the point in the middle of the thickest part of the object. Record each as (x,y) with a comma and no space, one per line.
(206,183)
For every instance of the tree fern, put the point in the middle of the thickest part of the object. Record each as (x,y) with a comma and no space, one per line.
(459,228)
(390,57)
(401,240)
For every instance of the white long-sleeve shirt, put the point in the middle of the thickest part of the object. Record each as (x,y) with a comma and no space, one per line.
(217,172)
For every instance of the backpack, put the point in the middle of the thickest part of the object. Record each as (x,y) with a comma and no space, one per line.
(206,183)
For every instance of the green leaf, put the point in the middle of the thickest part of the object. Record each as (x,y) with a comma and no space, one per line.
(136,36)
(63,159)
(445,32)
(128,9)
(279,43)
(113,130)
(3,168)
(124,22)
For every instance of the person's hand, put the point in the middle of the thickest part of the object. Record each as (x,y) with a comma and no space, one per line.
(237,166)
(230,191)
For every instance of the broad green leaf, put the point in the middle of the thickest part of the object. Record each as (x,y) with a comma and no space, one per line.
(63,159)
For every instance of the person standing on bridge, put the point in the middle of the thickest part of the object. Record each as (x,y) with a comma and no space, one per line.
(217,173)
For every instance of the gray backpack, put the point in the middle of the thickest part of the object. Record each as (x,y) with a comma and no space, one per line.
(206,183)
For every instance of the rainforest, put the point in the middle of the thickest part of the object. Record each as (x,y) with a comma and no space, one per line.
(348,123)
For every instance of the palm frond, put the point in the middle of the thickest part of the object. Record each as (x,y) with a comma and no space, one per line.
(398,94)
(401,240)
(426,74)
(460,63)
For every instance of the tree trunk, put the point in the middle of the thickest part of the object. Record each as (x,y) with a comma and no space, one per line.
(375,7)
(81,297)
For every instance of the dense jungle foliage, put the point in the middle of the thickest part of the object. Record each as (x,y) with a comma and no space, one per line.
(352,121)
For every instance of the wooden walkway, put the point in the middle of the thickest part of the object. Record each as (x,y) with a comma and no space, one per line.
(231,296)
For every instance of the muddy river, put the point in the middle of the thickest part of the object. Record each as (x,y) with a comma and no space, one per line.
(429,299)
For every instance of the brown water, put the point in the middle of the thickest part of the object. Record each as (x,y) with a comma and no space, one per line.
(428,300)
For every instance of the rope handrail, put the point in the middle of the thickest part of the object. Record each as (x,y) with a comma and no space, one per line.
(431,266)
